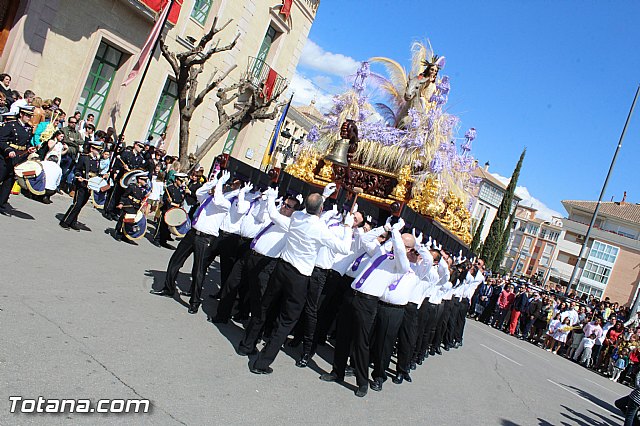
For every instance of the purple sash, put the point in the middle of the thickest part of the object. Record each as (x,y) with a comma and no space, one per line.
(358,261)
(260,234)
(196,215)
(396,282)
(373,266)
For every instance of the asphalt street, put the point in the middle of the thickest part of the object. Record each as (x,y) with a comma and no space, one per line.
(77,321)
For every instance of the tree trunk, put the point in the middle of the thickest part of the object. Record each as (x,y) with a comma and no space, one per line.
(211,141)
(183,147)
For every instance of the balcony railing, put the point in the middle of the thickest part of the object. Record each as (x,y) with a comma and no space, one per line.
(264,78)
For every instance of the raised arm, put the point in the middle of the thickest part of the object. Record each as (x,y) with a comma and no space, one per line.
(277,218)
(243,204)
(337,244)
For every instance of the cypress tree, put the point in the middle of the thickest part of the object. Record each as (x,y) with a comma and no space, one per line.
(475,243)
(503,244)
(494,239)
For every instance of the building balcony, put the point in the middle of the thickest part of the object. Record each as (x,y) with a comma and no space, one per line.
(265,79)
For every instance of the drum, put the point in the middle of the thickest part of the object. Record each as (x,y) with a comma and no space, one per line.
(175,216)
(181,231)
(98,184)
(134,225)
(30,176)
(98,199)
(129,178)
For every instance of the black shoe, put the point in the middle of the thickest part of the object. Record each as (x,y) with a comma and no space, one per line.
(376,384)
(437,351)
(303,361)
(361,392)
(398,379)
(156,243)
(349,372)
(446,348)
(256,370)
(64,225)
(216,296)
(219,320)
(242,352)
(413,366)
(164,292)
(240,318)
(419,362)
(331,377)
(407,377)
(185,293)
(294,343)
(193,309)
(432,351)
(46,200)
(75,227)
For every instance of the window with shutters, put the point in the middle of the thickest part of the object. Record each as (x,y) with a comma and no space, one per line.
(96,88)
(164,108)
(200,11)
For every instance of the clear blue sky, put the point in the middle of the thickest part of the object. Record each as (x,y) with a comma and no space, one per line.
(555,76)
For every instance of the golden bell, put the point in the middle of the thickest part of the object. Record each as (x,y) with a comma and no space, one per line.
(338,154)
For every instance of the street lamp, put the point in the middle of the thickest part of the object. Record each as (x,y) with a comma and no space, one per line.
(289,151)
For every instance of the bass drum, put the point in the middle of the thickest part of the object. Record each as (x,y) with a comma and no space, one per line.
(181,231)
(134,226)
(175,216)
(30,176)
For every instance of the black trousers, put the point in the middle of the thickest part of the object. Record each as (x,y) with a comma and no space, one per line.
(309,319)
(114,198)
(335,289)
(450,315)
(385,332)
(407,336)
(79,200)
(200,245)
(7,179)
(227,249)
(237,278)
(462,307)
(289,286)
(426,311)
(443,322)
(355,323)
(162,229)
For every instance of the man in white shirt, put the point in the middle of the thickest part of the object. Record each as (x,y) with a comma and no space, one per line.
(306,233)
(358,312)
(53,175)
(438,296)
(229,234)
(571,313)
(408,333)
(391,308)
(474,279)
(344,270)
(200,240)
(263,252)
(324,262)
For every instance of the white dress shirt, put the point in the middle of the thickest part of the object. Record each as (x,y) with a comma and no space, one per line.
(326,256)
(573,316)
(389,270)
(442,287)
(473,285)
(305,235)
(211,216)
(255,219)
(239,206)
(363,246)
(271,242)
(399,292)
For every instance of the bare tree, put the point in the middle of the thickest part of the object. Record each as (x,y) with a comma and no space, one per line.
(187,66)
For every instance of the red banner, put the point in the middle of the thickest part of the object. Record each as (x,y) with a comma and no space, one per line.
(269,84)
(286,8)
(158,5)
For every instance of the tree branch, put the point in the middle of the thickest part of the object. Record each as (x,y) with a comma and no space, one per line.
(170,57)
(205,56)
(212,85)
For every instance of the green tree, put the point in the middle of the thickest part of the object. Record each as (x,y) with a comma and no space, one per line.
(477,239)
(494,238)
(503,244)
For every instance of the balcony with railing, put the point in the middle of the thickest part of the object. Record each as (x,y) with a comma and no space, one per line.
(265,79)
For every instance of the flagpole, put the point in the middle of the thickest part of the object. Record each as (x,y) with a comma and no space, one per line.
(277,136)
(146,68)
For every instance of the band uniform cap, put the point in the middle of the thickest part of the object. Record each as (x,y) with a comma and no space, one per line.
(139,143)
(97,144)
(142,175)
(181,175)
(9,116)
(27,110)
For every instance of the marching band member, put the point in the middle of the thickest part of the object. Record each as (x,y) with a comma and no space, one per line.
(15,146)
(129,159)
(131,201)
(88,166)
(173,197)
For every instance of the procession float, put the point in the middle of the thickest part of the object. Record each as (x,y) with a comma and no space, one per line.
(391,140)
